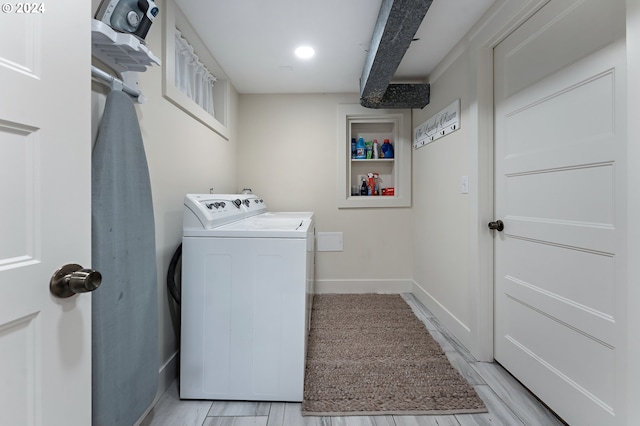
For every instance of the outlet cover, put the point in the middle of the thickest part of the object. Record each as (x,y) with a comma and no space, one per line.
(329,241)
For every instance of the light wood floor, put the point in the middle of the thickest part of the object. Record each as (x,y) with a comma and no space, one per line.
(508,402)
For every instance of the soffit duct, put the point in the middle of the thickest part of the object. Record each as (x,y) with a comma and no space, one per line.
(398,22)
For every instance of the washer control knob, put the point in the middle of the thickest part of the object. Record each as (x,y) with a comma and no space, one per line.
(216,204)
(237,202)
(246,202)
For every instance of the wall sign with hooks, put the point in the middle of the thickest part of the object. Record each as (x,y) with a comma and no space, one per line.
(441,124)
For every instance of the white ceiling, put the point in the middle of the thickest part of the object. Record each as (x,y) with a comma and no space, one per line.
(253,40)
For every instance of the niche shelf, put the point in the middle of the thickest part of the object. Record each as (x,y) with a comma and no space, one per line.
(355,121)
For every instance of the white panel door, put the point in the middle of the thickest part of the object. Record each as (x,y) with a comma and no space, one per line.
(560,185)
(45,220)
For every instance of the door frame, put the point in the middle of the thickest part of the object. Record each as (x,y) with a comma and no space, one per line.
(501,20)
(633,212)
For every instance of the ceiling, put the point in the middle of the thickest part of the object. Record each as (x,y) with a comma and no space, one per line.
(253,40)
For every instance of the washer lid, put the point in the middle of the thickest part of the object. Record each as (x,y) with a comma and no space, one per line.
(268,225)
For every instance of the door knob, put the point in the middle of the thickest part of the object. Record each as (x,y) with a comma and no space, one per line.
(72,278)
(498,225)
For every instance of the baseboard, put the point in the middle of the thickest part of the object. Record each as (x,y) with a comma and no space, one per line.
(396,286)
(453,324)
(166,375)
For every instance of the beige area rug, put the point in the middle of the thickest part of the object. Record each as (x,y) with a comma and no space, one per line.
(369,355)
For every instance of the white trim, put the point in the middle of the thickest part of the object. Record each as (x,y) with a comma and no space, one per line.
(166,375)
(359,286)
(481,202)
(456,326)
(632,390)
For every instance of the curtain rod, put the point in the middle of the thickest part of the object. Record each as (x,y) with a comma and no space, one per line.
(116,83)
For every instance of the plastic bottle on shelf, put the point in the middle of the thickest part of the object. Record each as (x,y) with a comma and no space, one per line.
(361,150)
(353,147)
(375,148)
(376,183)
(387,149)
(369,150)
(363,188)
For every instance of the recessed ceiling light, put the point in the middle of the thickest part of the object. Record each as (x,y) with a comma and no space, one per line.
(305,52)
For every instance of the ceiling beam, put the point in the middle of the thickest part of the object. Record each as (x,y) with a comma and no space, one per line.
(398,21)
(400,96)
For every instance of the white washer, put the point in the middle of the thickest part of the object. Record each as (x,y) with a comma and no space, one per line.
(247,287)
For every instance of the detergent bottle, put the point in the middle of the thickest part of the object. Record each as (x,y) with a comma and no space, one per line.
(361,151)
(387,149)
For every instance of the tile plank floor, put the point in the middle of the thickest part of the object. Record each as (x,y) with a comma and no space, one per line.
(508,402)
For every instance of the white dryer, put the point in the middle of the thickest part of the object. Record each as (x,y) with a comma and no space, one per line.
(247,288)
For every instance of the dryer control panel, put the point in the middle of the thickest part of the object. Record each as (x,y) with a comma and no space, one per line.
(207,211)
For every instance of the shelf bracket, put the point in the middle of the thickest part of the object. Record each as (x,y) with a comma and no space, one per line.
(125,54)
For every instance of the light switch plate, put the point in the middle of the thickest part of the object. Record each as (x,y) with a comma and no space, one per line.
(464,185)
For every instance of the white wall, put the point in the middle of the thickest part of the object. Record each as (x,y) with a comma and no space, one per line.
(441,212)
(184,157)
(287,154)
